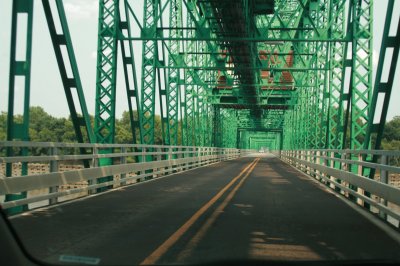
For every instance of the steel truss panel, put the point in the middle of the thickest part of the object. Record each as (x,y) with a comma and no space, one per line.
(128,60)
(81,122)
(149,61)
(211,67)
(104,121)
(19,69)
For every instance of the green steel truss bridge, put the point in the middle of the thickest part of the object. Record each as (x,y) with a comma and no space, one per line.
(229,78)
(291,74)
(251,74)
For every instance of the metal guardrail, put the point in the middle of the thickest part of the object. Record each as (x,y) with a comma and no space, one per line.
(347,172)
(132,164)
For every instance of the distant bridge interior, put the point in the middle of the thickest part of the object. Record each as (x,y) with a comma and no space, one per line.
(272,115)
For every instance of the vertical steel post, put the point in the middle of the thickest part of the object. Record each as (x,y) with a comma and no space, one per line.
(20,70)
(106,79)
(149,61)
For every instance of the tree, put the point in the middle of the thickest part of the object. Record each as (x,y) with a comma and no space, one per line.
(3,125)
(43,127)
(392,129)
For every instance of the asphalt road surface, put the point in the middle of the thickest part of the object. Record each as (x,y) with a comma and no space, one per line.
(249,208)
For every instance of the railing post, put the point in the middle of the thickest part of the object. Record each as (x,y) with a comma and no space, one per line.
(384,179)
(299,157)
(123,161)
(194,154)
(332,165)
(212,153)
(158,158)
(360,173)
(318,161)
(181,154)
(314,160)
(199,158)
(169,158)
(324,163)
(95,163)
(143,159)
(292,158)
(187,155)
(95,160)
(53,168)
(344,167)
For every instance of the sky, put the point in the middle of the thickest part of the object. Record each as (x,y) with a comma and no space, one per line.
(46,86)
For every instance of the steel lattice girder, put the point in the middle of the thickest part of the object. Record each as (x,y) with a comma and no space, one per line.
(287,56)
(18,69)
(104,121)
(225,71)
(22,68)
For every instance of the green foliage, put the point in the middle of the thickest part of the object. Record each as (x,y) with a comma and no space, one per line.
(392,129)
(3,126)
(391,135)
(123,129)
(124,133)
(43,127)
(391,145)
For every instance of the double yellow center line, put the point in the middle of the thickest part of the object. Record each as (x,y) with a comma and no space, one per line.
(164,247)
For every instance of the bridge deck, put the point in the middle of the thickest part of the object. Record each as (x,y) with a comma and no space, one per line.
(273,213)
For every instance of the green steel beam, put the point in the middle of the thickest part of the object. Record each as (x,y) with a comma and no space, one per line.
(130,74)
(20,72)
(81,121)
(172,90)
(70,83)
(337,51)
(303,67)
(383,86)
(106,77)
(189,129)
(361,89)
(232,39)
(104,123)
(149,61)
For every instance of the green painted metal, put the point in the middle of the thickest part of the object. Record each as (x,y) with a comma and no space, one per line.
(130,75)
(80,121)
(291,74)
(189,129)
(336,76)
(104,123)
(20,71)
(361,89)
(172,91)
(383,86)
(107,47)
(149,61)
